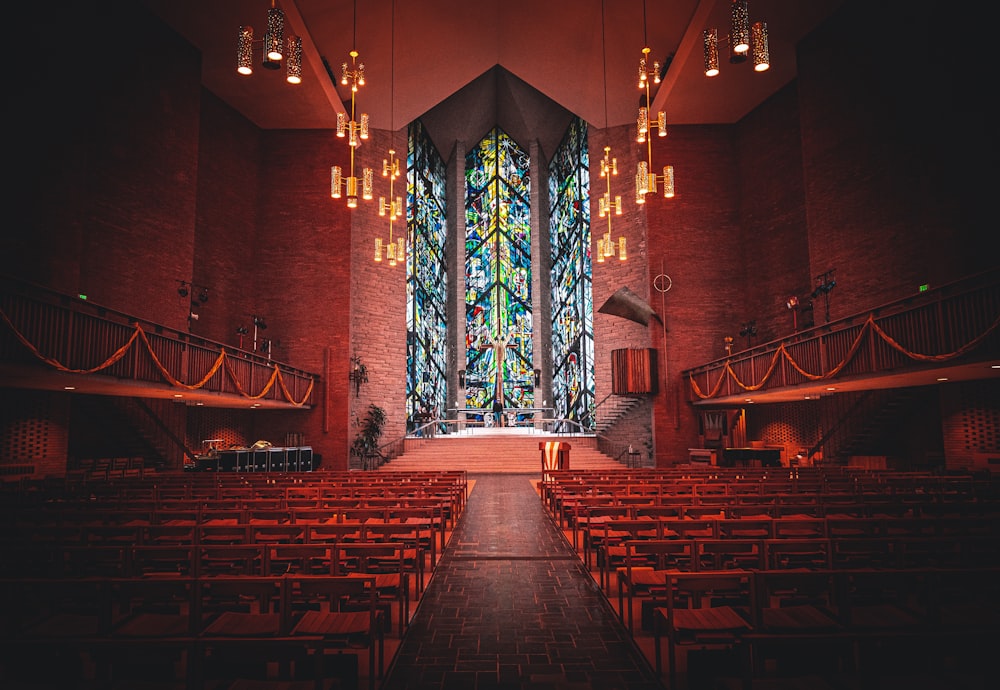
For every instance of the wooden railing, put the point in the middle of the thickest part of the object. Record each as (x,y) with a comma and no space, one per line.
(954,324)
(70,334)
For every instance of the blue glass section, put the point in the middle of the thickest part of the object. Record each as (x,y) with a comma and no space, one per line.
(573,387)
(426,278)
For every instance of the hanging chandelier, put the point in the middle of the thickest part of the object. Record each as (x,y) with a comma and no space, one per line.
(647,181)
(395,247)
(745,40)
(607,246)
(274,47)
(355,131)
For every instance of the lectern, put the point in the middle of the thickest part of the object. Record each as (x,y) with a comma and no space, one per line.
(555,456)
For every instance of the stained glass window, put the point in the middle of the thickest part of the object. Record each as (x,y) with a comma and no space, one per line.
(498,275)
(572,300)
(426,277)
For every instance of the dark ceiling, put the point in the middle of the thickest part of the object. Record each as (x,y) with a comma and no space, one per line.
(582,54)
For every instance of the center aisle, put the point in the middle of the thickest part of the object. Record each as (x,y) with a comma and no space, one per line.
(510,605)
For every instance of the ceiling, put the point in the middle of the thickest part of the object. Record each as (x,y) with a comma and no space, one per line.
(582,54)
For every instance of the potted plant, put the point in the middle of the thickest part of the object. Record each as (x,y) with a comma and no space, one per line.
(371,426)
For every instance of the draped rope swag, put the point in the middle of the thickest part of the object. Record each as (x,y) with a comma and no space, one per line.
(870,324)
(140,335)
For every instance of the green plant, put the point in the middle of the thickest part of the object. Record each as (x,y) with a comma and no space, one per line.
(371,427)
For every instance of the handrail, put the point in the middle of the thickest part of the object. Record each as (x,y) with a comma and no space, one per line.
(938,326)
(73,335)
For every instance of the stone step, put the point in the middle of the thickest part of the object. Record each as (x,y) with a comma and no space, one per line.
(496,453)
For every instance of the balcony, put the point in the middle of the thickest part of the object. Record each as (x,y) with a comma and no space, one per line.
(951,333)
(51,341)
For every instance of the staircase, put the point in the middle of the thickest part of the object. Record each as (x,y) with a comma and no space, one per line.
(612,409)
(497,452)
(871,429)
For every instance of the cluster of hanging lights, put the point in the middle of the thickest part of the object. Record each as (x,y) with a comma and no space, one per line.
(646,180)
(394,248)
(745,40)
(606,246)
(356,131)
(275,48)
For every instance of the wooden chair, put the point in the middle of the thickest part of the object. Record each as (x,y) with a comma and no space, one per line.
(413,536)
(810,554)
(728,554)
(230,559)
(245,632)
(343,611)
(702,609)
(277,533)
(164,561)
(332,532)
(154,622)
(647,561)
(387,563)
(746,528)
(608,543)
(299,559)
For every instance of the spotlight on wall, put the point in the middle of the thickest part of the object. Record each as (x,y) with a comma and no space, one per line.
(793,305)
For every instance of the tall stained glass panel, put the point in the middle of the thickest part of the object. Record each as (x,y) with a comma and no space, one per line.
(572,298)
(426,276)
(498,275)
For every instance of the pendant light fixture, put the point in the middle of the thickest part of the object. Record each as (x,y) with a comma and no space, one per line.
(274,48)
(647,181)
(606,245)
(744,39)
(356,131)
(395,247)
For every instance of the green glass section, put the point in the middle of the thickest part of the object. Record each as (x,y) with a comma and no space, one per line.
(498,275)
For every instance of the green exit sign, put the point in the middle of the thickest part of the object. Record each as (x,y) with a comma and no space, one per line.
(925,287)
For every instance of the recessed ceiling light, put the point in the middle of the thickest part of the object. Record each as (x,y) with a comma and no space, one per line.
(831,388)
(996,366)
(178,395)
(942,378)
(69,388)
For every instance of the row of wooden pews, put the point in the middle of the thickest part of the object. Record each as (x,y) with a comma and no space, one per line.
(803,569)
(203,576)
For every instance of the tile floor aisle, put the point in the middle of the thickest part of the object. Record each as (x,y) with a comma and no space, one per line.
(511,606)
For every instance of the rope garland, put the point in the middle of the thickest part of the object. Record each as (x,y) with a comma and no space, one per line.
(868,327)
(140,335)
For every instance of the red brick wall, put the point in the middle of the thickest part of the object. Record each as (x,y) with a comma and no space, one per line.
(694,238)
(34,430)
(614,332)
(892,152)
(378,304)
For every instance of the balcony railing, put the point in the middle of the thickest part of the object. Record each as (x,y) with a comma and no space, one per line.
(954,324)
(71,335)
